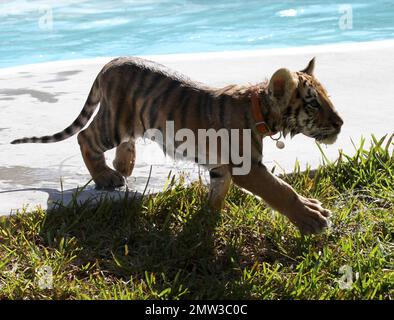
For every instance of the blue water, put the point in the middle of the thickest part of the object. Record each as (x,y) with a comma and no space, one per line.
(91,28)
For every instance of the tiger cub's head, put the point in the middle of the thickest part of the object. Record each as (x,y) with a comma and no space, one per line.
(304,105)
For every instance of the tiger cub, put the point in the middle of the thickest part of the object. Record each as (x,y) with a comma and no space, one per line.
(137,95)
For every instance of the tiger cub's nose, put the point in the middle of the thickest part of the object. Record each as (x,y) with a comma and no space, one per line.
(337,123)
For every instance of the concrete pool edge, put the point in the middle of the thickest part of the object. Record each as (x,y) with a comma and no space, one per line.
(324,48)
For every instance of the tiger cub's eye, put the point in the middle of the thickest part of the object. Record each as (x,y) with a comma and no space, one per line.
(313,104)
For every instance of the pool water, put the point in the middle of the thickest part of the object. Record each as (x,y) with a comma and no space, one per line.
(39,31)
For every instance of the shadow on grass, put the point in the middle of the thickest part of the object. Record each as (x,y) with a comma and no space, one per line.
(170,236)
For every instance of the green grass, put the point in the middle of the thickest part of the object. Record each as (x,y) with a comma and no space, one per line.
(167,246)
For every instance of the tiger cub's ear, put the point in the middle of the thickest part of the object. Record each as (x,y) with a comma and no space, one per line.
(282,86)
(310,67)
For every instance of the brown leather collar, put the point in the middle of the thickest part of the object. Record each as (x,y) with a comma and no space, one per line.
(261,124)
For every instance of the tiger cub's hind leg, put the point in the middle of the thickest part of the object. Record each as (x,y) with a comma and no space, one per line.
(125,158)
(93,156)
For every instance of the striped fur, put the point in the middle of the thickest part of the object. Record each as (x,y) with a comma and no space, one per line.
(136,95)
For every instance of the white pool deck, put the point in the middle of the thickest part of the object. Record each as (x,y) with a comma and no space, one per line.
(44,98)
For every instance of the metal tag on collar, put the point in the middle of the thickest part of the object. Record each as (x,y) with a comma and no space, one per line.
(279,144)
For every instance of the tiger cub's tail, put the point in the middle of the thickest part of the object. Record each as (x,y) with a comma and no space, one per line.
(87,111)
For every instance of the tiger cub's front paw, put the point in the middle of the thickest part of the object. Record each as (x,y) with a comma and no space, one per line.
(309,216)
